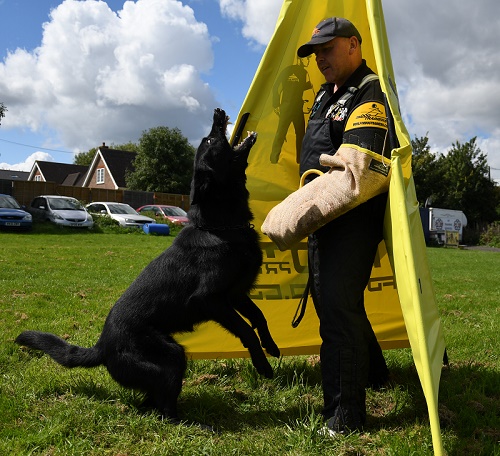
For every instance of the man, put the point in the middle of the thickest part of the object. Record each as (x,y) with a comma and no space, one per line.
(348,110)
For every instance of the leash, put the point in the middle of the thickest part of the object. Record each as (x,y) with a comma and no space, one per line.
(301,308)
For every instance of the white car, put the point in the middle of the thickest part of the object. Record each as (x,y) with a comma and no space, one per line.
(124,214)
(61,210)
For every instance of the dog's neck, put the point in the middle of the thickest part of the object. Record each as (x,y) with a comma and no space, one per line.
(238,217)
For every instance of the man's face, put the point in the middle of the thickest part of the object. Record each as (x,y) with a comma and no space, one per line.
(332,59)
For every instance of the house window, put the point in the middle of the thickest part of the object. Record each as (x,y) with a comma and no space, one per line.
(38,178)
(100,175)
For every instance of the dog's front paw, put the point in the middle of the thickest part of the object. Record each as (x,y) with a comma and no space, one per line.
(273,350)
(267,342)
(264,368)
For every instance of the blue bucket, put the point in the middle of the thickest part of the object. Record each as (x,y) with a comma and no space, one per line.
(157,228)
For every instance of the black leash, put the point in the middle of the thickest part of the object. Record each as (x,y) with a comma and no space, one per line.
(301,308)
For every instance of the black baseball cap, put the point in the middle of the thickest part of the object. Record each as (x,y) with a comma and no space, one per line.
(327,30)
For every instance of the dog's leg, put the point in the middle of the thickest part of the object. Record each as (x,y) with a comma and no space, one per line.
(154,365)
(250,311)
(228,318)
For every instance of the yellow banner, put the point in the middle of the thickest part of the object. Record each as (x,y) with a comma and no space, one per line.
(278,102)
(399,298)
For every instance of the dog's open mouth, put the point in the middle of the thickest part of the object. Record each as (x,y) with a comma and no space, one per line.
(248,141)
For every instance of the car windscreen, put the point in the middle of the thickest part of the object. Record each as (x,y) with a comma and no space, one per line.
(121,209)
(8,202)
(177,211)
(63,204)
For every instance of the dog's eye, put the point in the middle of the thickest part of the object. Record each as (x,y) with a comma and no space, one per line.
(209,140)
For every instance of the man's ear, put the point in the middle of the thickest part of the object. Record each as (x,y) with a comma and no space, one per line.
(353,44)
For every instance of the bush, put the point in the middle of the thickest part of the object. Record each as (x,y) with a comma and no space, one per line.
(104,221)
(105,224)
(491,237)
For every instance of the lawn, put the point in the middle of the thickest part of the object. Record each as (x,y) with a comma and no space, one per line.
(65,282)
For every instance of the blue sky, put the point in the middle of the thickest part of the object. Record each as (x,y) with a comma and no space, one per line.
(235,60)
(107,71)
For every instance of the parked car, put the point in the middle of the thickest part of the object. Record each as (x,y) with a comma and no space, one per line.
(61,210)
(121,212)
(12,215)
(173,214)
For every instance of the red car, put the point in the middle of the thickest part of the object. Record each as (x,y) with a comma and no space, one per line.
(173,214)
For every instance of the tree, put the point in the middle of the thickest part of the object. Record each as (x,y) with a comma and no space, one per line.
(457,180)
(85,158)
(426,172)
(130,146)
(3,109)
(466,184)
(164,162)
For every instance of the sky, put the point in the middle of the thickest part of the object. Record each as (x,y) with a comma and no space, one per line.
(75,74)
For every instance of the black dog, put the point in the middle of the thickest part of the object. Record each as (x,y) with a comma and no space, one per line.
(205,275)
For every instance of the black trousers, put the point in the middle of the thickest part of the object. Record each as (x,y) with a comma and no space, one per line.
(341,256)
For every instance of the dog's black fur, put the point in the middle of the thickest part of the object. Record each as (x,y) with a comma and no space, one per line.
(206,274)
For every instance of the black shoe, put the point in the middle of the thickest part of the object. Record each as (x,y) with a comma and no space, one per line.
(340,424)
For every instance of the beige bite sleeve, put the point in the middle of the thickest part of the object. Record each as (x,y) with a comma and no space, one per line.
(354,177)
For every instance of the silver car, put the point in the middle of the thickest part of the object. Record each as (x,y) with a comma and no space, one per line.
(61,210)
(124,214)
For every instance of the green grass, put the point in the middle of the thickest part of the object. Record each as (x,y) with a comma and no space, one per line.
(65,281)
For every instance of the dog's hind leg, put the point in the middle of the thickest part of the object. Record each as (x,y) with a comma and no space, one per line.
(246,307)
(156,368)
(228,318)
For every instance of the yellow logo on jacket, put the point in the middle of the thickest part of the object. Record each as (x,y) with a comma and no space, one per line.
(370,114)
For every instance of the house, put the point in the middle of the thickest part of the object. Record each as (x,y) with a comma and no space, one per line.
(8,174)
(108,168)
(8,177)
(60,173)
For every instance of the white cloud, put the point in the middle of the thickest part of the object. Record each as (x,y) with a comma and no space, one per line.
(105,76)
(446,60)
(258,17)
(489,145)
(28,163)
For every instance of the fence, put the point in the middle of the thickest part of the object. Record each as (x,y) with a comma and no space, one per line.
(25,191)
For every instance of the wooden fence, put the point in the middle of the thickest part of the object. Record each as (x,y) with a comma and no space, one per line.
(25,191)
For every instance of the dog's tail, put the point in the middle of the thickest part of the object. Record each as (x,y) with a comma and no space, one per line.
(60,351)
